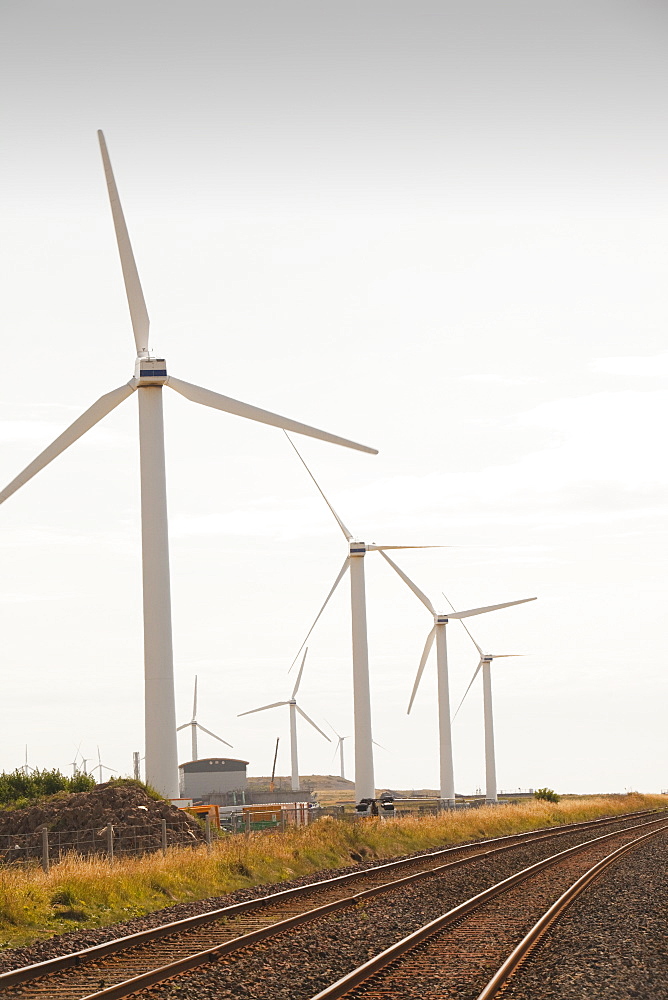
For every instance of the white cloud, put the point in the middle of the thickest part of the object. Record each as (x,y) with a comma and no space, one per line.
(649,365)
(493,378)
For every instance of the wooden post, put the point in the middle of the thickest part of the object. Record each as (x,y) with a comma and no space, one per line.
(164,837)
(45,850)
(207,832)
(110,843)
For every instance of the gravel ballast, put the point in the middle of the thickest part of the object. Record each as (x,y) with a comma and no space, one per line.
(611,942)
(366,930)
(299,965)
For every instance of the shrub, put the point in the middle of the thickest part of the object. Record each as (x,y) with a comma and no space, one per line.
(18,788)
(547,794)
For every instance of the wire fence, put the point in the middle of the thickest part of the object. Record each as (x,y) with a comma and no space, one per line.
(47,846)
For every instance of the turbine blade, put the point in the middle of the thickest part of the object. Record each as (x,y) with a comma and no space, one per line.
(342,571)
(407,580)
(418,677)
(305,716)
(317,486)
(380,745)
(464,626)
(378,548)
(195,700)
(138,311)
(334,730)
(209,398)
(491,607)
(274,704)
(184,726)
(504,656)
(475,674)
(104,405)
(219,738)
(299,675)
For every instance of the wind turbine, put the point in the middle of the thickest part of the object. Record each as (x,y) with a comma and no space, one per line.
(26,768)
(294,708)
(339,748)
(365,786)
(149,378)
(75,766)
(447,779)
(490,758)
(99,766)
(195,725)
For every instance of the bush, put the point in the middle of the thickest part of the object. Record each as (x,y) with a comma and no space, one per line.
(18,788)
(547,794)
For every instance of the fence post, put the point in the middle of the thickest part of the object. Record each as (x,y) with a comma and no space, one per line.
(248,824)
(164,837)
(207,832)
(45,850)
(110,842)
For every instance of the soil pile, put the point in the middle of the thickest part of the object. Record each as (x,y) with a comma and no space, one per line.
(135,816)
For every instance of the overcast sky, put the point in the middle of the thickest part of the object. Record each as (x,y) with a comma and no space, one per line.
(437,228)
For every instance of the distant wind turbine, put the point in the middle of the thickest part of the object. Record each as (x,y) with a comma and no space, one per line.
(447,778)
(100,766)
(26,768)
(490,757)
(339,748)
(149,378)
(365,786)
(294,708)
(195,725)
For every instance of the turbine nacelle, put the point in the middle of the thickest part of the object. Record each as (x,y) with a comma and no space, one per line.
(150,371)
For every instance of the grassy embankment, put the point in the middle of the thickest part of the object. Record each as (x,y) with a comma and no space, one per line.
(91,893)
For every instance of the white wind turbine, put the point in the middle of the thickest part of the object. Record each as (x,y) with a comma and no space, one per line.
(339,748)
(26,768)
(294,708)
(100,766)
(149,378)
(195,725)
(365,786)
(438,632)
(490,757)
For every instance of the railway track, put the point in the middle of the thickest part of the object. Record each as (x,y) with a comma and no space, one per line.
(454,955)
(128,966)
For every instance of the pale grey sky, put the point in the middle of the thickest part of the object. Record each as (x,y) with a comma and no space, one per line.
(437,228)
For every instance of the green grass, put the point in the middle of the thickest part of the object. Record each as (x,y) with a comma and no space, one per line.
(81,893)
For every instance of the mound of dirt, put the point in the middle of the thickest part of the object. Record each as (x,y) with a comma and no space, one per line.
(127,807)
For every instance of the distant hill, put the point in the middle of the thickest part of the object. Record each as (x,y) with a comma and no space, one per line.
(332,783)
(309,782)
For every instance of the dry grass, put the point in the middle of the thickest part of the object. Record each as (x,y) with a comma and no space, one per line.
(82,892)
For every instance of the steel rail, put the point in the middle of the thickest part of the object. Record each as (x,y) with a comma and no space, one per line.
(542,927)
(93,954)
(346,984)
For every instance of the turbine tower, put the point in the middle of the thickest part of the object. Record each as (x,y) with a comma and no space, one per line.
(195,725)
(294,708)
(339,748)
(365,786)
(149,378)
(485,663)
(447,778)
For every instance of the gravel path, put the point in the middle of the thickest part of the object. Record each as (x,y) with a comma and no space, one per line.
(612,942)
(297,966)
